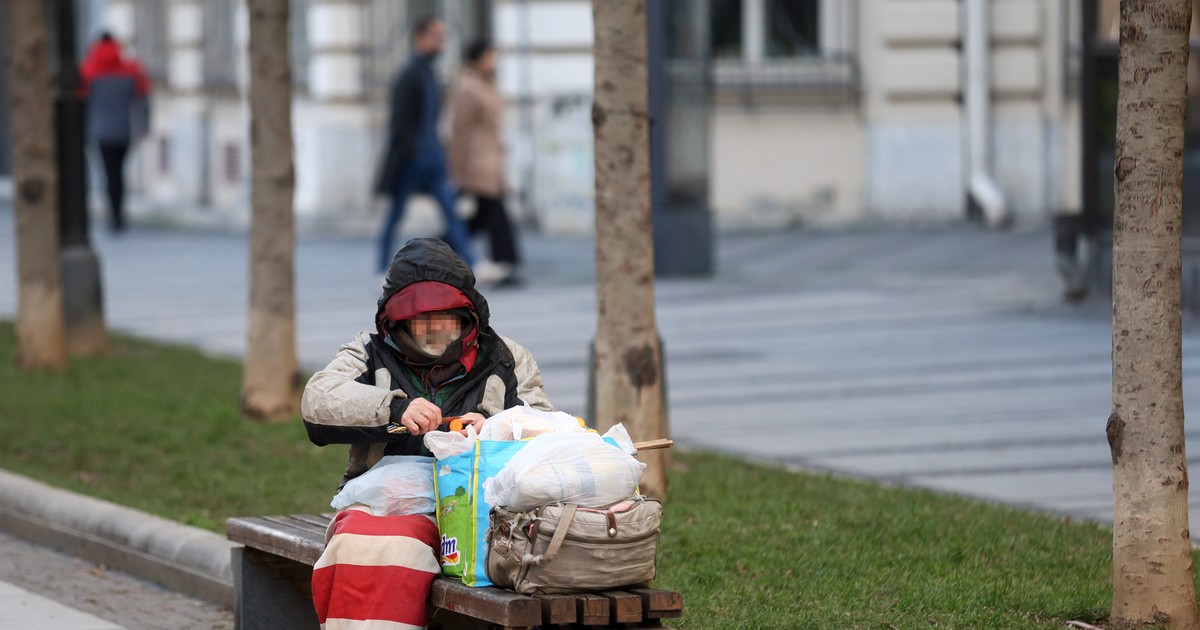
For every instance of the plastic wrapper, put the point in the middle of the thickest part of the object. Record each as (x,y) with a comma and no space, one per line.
(398,485)
(580,468)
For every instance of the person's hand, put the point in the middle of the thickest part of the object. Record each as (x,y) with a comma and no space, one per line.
(421,417)
(472,419)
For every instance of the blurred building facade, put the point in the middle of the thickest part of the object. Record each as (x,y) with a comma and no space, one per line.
(824,112)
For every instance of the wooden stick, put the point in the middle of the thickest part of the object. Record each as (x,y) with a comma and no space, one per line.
(650,445)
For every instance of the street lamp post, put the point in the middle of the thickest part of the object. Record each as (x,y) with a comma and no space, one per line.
(680,91)
(82,295)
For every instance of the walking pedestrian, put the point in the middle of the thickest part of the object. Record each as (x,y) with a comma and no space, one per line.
(477,152)
(116,89)
(414,161)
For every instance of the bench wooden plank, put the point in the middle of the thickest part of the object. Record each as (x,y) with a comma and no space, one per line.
(592,610)
(493,605)
(624,607)
(659,604)
(321,522)
(291,543)
(557,609)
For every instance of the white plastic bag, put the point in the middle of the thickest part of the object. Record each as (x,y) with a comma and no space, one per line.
(444,444)
(574,467)
(519,423)
(396,486)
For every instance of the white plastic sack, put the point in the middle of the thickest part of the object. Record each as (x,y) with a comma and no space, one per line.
(578,468)
(445,444)
(519,423)
(396,486)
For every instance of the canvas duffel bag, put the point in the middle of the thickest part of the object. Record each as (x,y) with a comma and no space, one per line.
(561,548)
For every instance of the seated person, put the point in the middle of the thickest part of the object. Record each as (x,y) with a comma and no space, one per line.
(432,356)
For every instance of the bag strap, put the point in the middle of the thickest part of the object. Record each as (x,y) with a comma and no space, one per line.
(556,541)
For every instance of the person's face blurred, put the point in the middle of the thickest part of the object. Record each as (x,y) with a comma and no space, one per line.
(487,62)
(434,332)
(431,41)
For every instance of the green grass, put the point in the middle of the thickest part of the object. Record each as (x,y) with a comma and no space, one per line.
(158,428)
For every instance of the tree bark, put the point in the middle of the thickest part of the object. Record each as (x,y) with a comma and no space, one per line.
(1152,552)
(40,326)
(270,383)
(628,359)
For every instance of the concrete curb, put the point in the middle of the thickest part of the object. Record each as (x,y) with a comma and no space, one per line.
(181,558)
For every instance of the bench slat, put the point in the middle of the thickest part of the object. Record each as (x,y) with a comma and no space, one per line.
(291,524)
(659,604)
(492,605)
(321,522)
(625,607)
(592,610)
(292,543)
(557,609)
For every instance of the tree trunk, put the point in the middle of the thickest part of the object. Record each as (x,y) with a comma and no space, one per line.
(628,359)
(40,326)
(1152,551)
(269,386)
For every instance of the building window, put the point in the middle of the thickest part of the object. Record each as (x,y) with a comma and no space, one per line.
(791,29)
(726,29)
(298,40)
(751,31)
(150,37)
(388,25)
(220,62)
(784,52)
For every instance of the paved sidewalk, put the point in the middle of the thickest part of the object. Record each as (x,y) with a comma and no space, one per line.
(939,358)
(75,594)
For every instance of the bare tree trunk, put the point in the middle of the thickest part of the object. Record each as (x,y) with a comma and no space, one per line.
(1152,551)
(40,327)
(628,359)
(269,386)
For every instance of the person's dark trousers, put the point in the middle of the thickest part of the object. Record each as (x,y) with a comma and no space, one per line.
(113,156)
(424,176)
(491,216)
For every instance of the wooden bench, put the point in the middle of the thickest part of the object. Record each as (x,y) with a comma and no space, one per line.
(272,576)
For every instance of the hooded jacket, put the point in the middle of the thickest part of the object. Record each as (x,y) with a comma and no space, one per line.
(368,385)
(113,86)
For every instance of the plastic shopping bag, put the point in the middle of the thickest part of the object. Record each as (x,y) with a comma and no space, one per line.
(462,511)
(520,423)
(397,485)
(579,468)
(444,444)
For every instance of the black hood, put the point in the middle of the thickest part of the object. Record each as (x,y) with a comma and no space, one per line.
(424,259)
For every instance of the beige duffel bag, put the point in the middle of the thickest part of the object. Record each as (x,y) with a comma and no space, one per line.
(561,548)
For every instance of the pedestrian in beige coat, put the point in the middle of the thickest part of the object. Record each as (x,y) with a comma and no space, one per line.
(476,151)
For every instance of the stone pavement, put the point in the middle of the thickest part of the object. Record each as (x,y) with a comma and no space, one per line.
(938,358)
(76,594)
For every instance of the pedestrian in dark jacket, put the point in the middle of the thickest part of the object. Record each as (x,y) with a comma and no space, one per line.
(432,355)
(414,161)
(115,88)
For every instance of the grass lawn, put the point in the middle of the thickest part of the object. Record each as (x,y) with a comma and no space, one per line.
(157,428)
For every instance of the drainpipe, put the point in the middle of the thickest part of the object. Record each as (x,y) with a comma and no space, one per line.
(981,186)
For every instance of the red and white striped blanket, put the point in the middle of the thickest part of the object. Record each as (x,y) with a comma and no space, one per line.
(375,572)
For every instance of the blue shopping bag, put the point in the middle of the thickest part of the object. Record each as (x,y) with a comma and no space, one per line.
(462,512)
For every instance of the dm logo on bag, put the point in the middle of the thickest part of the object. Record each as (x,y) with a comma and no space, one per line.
(450,555)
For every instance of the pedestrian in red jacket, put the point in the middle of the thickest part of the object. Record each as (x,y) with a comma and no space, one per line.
(115,88)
